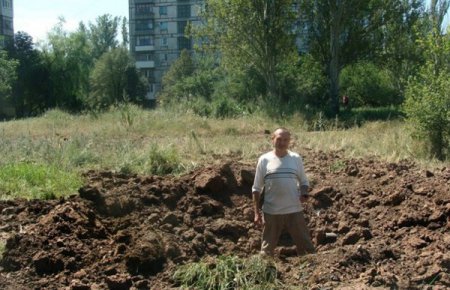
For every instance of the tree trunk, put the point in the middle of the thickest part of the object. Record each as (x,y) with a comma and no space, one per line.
(334,73)
(334,70)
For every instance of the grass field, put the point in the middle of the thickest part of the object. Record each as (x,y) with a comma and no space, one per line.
(44,157)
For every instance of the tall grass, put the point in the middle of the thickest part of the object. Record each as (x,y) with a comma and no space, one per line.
(130,139)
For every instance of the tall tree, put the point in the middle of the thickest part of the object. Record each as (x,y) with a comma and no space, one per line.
(68,58)
(331,24)
(341,32)
(114,80)
(103,34)
(28,91)
(255,34)
(395,41)
(8,76)
(438,10)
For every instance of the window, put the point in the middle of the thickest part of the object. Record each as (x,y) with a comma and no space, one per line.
(163,57)
(162,10)
(184,43)
(143,25)
(6,4)
(182,26)
(6,26)
(147,73)
(164,41)
(143,57)
(143,9)
(184,11)
(163,26)
(144,40)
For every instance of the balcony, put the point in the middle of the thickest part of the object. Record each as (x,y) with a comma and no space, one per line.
(144,48)
(145,64)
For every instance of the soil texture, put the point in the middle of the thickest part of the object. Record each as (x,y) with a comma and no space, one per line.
(374,224)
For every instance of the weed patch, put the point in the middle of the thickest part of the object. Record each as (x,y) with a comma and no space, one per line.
(33,181)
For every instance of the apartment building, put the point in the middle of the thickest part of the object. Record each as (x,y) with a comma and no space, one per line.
(6,22)
(157,35)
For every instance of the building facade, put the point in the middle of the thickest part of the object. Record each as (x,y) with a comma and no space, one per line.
(157,35)
(6,22)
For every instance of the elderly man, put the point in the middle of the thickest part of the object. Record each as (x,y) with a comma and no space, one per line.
(281,173)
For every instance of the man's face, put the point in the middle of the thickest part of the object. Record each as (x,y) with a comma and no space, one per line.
(281,140)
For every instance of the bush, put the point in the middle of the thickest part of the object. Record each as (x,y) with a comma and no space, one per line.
(163,162)
(311,82)
(225,107)
(427,107)
(368,85)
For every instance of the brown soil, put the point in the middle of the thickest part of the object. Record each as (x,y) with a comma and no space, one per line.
(373,224)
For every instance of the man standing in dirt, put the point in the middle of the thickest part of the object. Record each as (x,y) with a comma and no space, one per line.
(281,173)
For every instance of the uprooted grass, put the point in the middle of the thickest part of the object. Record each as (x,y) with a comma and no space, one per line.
(229,272)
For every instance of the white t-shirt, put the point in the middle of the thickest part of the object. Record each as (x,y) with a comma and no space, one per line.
(281,178)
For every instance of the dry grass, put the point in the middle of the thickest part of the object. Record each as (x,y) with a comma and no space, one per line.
(129,139)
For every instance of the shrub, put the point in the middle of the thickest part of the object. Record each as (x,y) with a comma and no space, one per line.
(427,107)
(163,162)
(368,85)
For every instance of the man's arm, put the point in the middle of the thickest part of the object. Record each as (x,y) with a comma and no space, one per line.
(258,215)
(304,193)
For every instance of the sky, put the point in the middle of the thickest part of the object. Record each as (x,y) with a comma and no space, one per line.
(38,17)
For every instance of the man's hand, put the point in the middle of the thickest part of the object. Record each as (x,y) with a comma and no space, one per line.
(304,198)
(258,220)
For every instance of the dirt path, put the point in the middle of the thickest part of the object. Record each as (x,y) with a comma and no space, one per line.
(374,225)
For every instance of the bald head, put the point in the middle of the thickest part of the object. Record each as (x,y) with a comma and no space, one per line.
(281,138)
(281,131)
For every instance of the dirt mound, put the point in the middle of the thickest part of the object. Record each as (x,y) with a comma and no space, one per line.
(374,224)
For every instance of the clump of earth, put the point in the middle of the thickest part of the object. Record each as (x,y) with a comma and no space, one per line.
(374,224)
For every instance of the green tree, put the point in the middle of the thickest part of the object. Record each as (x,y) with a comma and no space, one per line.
(103,34)
(250,34)
(68,59)
(427,104)
(341,32)
(173,88)
(369,85)
(29,91)
(8,76)
(394,43)
(113,80)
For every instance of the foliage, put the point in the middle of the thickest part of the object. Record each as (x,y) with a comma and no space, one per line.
(30,90)
(310,81)
(173,81)
(257,36)
(103,34)
(229,272)
(34,181)
(163,161)
(394,45)
(427,104)
(67,59)
(340,33)
(224,107)
(8,75)
(368,85)
(111,80)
